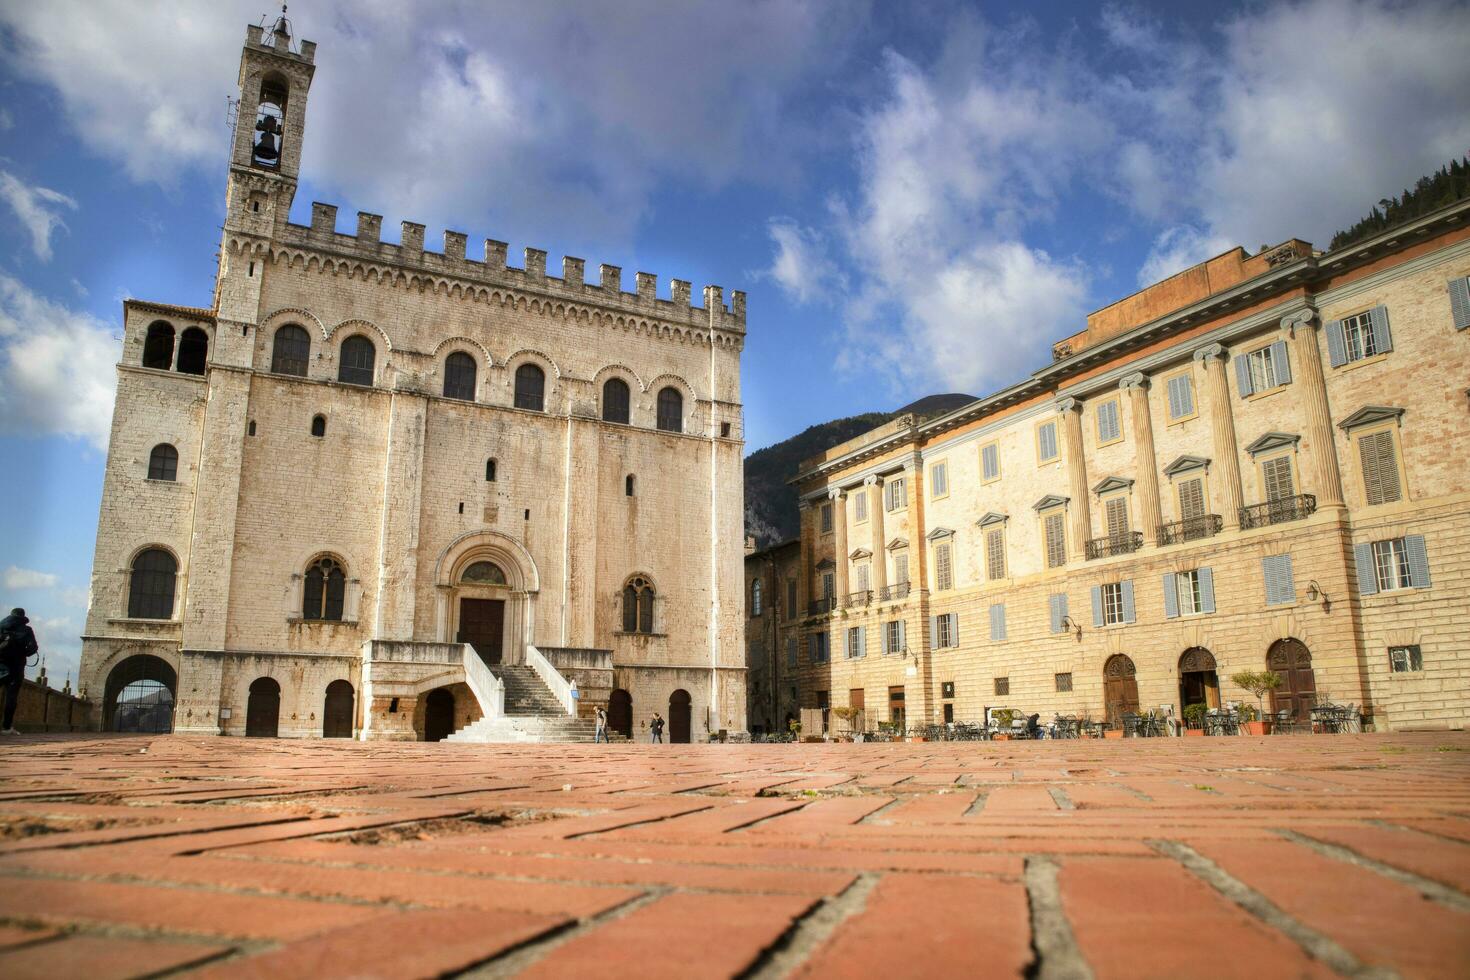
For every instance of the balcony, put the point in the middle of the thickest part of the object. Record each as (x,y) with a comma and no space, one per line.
(1114,544)
(1280,511)
(1204,526)
(899,590)
(857,599)
(819,607)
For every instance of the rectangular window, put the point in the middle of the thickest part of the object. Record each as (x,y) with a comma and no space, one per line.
(829,584)
(1064,683)
(826,518)
(1399,563)
(1112,603)
(1116,509)
(893,636)
(1109,429)
(946,689)
(1002,686)
(1181,397)
(1280,580)
(1262,369)
(998,622)
(860,507)
(995,553)
(791,653)
(862,577)
(947,631)
(1187,587)
(943,573)
(1391,564)
(1380,468)
(1276,478)
(938,481)
(1357,337)
(1405,660)
(1046,442)
(855,642)
(791,598)
(1056,539)
(990,462)
(900,566)
(895,494)
(1192,499)
(817,648)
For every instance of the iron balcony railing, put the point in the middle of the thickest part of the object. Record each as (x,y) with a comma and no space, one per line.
(1115,544)
(857,599)
(898,590)
(818,607)
(1278,511)
(1191,529)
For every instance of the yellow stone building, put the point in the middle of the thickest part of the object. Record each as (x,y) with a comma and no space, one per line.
(387,492)
(1255,463)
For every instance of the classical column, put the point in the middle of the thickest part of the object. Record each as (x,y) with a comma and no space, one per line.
(873,487)
(1078,513)
(1146,466)
(805,570)
(1326,480)
(1222,432)
(839,537)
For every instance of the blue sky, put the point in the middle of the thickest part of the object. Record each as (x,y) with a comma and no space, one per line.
(917,197)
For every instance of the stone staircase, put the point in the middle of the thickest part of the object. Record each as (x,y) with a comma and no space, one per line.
(532,714)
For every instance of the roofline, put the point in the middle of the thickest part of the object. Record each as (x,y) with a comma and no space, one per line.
(193,312)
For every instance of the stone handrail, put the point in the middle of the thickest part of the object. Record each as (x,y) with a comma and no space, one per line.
(483,684)
(552,678)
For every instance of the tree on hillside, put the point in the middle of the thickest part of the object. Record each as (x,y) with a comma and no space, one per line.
(1449,184)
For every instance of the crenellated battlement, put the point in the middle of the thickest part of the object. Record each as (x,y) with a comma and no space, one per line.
(493,268)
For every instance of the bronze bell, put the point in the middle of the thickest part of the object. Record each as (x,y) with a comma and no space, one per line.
(266,148)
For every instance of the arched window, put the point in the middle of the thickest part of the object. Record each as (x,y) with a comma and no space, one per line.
(270,122)
(290,350)
(459,376)
(326,586)
(630,485)
(755,597)
(483,573)
(531,388)
(490,471)
(615,401)
(638,606)
(671,410)
(319,425)
(193,351)
(158,346)
(151,585)
(163,463)
(356,367)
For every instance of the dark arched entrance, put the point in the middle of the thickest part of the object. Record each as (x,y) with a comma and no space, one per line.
(1298,691)
(679,716)
(263,709)
(1198,682)
(1120,689)
(337,712)
(620,713)
(438,714)
(139,696)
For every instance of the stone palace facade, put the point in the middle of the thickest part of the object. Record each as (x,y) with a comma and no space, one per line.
(374,484)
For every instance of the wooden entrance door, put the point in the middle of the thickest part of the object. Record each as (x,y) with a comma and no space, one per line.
(482,626)
(679,711)
(337,712)
(1120,689)
(1198,682)
(1298,691)
(620,713)
(897,714)
(438,715)
(857,700)
(263,709)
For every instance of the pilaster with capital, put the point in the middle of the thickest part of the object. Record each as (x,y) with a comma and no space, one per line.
(807,538)
(873,487)
(1326,478)
(1226,485)
(839,537)
(1146,465)
(1079,514)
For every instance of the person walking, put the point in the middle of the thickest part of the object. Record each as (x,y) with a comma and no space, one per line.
(601,734)
(17,643)
(657,727)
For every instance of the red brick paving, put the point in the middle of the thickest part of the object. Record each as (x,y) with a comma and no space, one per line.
(276,858)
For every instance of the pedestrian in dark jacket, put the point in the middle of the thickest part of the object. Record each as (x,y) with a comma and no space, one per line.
(17,643)
(657,727)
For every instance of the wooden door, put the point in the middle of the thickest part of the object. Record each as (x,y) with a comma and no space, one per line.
(263,709)
(857,700)
(620,713)
(679,711)
(482,626)
(896,712)
(1298,691)
(1120,689)
(438,715)
(337,712)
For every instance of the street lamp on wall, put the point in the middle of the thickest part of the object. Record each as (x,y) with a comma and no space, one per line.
(1068,623)
(1315,592)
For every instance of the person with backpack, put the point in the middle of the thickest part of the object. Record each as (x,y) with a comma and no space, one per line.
(17,644)
(657,727)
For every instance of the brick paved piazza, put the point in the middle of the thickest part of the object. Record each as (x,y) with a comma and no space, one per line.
(1253,857)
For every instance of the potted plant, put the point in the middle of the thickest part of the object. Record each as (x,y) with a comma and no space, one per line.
(1194,718)
(1260,683)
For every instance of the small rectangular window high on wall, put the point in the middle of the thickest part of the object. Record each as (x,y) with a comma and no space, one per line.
(860,507)
(1109,429)
(1046,442)
(1063,682)
(1181,397)
(895,494)
(1002,686)
(938,481)
(826,518)
(943,573)
(990,462)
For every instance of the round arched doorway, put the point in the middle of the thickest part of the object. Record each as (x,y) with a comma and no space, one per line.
(620,713)
(263,709)
(139,696)
(679,712)
(1198,681)
(1298,691)
(438,714)
(1120,689)
(337,714)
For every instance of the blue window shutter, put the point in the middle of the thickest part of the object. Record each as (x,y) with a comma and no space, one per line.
(1336,346)
(1097,605)
(1055,608)
(1128,616)
(1367,574)
(1418,561)
(1460,302)
(1382,339)
(1282,363)
(862,641)
(1243,375)
(902,635)
(1062,604)
(1206,590)
(933,632)
(1186,394)
(1002,620)
(954,629)
(998,621)
(1280,585)
(1171,596)
(1175,407)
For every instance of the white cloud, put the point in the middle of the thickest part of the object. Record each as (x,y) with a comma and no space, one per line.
(1176,249)
(58,639)
(38,208)
(25,578)
(801,265)
(57,368)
